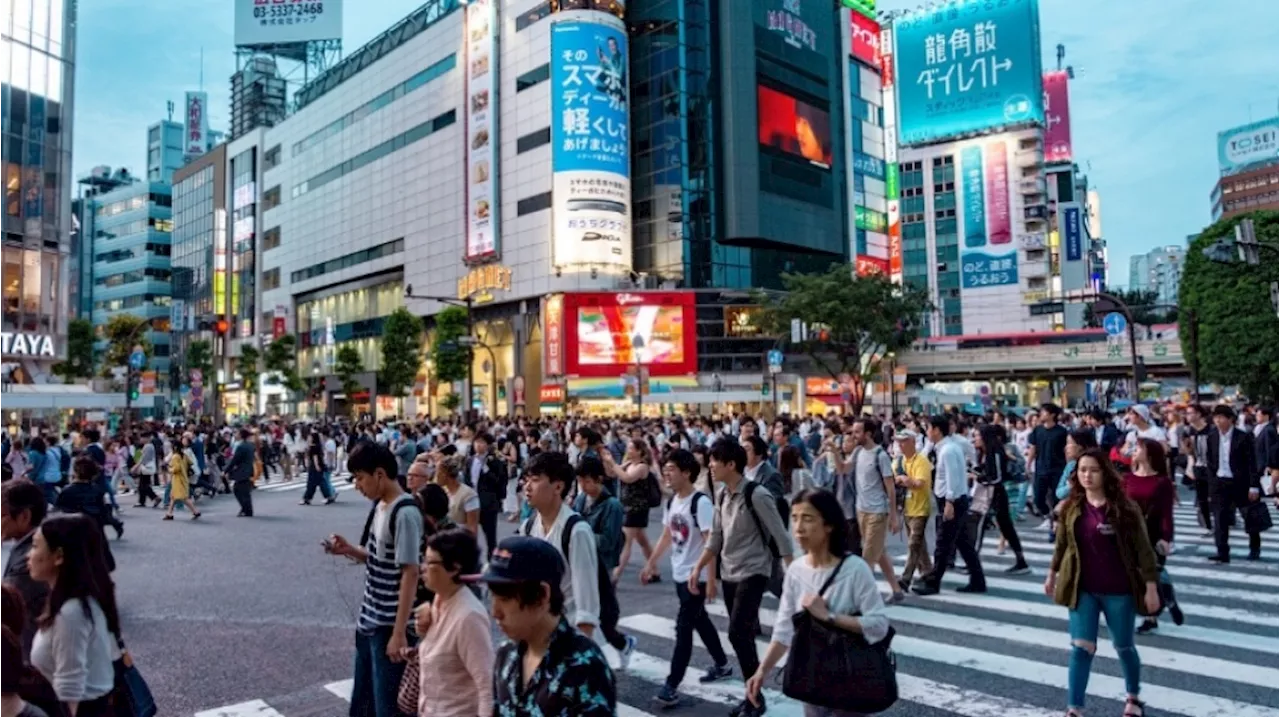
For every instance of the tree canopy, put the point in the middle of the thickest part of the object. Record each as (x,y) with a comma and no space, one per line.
(1238,343)
(401,352)
(281,360)
(451,359)
(347,363)
(199,357)
(249,369)
(122,333)
(1142,303)
(79,363)
(853,321)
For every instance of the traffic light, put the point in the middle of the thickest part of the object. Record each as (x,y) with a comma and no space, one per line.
(220,326)
(134,386)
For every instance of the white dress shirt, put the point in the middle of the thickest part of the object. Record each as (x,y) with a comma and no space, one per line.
(951,481)
(1224,455)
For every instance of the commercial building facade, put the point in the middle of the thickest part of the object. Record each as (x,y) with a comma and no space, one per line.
(38,90)
(1158,271)
(1248,156)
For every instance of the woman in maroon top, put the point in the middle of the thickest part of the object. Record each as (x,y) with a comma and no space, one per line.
(1148,485)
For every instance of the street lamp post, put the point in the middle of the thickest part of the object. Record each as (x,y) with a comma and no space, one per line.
(893,387)
(468,303)
(637,345)
(129,375)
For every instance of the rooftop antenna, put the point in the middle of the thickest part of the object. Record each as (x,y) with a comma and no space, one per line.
(170,108)
(202,68)
(1062,54)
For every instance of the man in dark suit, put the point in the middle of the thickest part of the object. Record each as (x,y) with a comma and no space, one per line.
(22,509)
(240,473)
(1104,429)
(1233,480)
(488,475)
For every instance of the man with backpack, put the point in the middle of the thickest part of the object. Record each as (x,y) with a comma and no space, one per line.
(748,538)
(589,597)
(877,502)
(686,527)
(604,513)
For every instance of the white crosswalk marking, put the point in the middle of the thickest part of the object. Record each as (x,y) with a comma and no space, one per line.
(1000,654)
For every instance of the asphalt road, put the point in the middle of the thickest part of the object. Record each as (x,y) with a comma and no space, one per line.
(232,616)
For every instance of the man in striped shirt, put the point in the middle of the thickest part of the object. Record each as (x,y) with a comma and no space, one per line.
(391,550)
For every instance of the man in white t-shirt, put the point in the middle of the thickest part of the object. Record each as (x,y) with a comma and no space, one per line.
(686,526)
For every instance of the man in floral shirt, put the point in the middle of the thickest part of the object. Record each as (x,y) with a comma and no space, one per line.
(548,669)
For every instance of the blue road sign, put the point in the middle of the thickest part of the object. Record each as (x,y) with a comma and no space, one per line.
(137,360)
(1114,324)
(775,357)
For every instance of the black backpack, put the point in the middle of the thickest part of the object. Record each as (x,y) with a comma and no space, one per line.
(610,611)
(693,507)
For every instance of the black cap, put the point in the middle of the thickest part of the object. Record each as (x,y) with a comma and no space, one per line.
(522,559)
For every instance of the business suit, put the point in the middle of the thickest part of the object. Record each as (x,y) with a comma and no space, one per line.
(34,592)
(240,473)
(1226,495)
(491,485)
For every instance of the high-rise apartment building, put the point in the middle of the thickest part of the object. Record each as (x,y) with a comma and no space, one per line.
(1158,271)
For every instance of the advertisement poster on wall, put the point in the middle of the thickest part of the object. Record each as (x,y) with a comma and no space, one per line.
(967,66)
(553,335)
(258,22)
(865,36)
(607,334)
(482,142)
(196,124)
(987,222)
(1249,144)
(1057,118)
(1071,232)
(590,150)
(793,127)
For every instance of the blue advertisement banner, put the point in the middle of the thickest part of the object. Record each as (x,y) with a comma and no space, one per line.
(979,270)
(975,205)
(1071,232)
(1244,146)
(867,165)
(589,98)
(967,66)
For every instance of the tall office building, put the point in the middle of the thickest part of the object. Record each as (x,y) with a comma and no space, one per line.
(164,150)
(1158,271)
(1247,161)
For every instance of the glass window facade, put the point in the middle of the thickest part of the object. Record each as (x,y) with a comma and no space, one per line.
(348,260)
(357,317)
(359,161)
(244,173)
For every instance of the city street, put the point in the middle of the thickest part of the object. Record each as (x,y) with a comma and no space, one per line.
(232,617)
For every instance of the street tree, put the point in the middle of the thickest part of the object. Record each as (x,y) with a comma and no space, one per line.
(250,371)
(281,361)
(853,322)
(1237,324)
(123,332)
(450,358)
(347,365)
(401,352)
(199,357)
(1144,304)
(79,363)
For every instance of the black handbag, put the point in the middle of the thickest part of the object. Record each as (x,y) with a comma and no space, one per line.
(1257,517)
(131,697)
(837,669)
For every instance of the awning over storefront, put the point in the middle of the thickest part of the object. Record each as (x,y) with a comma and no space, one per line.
(614,389)
(835,401)
(36,397)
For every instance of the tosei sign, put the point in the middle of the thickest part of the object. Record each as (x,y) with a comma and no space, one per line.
(26,344)
(1250,144)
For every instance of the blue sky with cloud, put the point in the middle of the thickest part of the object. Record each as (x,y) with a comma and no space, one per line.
(1155,81)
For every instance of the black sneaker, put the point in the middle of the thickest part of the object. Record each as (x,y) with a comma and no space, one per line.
(1018,568)
(904,584)
(716,673)
(924,588)
(971,588)
(667,696)
(1148,626)
(1175,612)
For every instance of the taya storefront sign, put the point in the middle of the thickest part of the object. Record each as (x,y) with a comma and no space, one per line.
(480,283)
(26,344)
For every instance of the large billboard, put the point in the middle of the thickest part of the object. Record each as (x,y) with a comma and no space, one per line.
(481,135)
(609,333)
(1253,143)
(590,150)
(1057,118)
(864,39)
(989,257)
(793,127)
(967,66)
(195,138)
(279,22)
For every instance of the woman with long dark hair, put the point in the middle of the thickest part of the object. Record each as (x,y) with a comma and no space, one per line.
(852,602)
(1103,563)
(632,475)
(1151,488)
(992,472)
(79,630)
(315,465)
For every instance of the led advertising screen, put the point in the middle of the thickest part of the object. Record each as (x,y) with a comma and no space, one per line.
(482,144)
(1057,118)
(590,150)
(794,127)
(1253,143)
(967,66)
(608,333)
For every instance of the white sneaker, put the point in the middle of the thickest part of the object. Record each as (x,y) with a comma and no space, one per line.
(624,655)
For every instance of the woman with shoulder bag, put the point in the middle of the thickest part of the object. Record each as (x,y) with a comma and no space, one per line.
(1103,563)
(1152,489)
(77,642)
(992,472)
(834,588)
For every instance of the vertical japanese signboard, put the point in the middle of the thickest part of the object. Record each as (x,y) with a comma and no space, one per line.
(975,203)
(864,38)
(590,151)
(891,183)
(967,66)
(196,125)
(999,230)
(989,259)
(1057,118)
(553,335)
(481,135)
(1071,232)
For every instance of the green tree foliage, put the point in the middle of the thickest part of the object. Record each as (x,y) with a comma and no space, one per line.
(281,360)
(123,332)
(401,352)
(451,360)
(347,365)
(1142,303)
(250,370)
(199,357)
(853,321)
(79,363)
(1237,324)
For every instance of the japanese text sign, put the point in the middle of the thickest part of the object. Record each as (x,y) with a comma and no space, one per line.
(1057,118)
(980,270)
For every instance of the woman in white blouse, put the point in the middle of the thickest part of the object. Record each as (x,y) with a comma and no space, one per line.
(817,524)
(79,629)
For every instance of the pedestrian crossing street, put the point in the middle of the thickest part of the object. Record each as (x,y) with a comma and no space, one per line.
(999,654)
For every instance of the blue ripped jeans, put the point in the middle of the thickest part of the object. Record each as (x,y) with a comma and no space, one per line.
(1120,611)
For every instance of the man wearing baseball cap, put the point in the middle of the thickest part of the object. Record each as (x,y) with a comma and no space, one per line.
(548,667)
(914,472)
